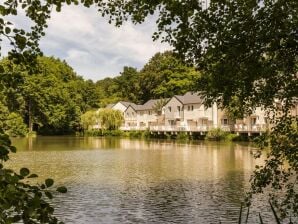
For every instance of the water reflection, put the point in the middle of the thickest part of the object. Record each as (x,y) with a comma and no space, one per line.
(114,180)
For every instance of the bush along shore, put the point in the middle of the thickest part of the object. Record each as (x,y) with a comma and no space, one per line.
(215,134)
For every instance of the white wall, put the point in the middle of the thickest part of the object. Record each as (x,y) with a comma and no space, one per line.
(144,116)
(130,117)
(174,113)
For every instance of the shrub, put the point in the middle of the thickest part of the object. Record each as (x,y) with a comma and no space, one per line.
(15,125)
(216,134)
(182,136)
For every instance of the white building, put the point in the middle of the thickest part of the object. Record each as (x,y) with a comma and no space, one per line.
(187,112)
(141,117)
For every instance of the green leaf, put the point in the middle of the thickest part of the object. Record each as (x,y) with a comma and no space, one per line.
(48,194)
(33,175)
(62,189)
(49,182)
(16,218)
(7,30)
(24,172)
(13,149)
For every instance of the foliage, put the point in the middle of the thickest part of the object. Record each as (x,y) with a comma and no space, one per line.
(232,137)
(12,123)
(101,132)
(163,76)
(107,90)
(51,100)
(166,75)
(280,169)
(20,201)
(216,134)
(15,125)
(106,119)
(128,84)
(182,136)
(244,49)
(159,105)
(88,120)
(110,119)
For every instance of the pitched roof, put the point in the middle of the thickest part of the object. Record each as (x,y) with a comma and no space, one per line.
(125,103)
(149,105)
(190,98)
(110,106)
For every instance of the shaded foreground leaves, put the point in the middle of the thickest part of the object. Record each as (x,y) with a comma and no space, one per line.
(19,200)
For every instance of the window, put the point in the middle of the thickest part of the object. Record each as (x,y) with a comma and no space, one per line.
(224,121)
(190,107)
(253,121)
(170,109)
(150,112)
(178,108)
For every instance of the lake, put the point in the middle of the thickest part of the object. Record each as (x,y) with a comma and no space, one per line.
(113,180)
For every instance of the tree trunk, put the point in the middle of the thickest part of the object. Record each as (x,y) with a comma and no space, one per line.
(30,120)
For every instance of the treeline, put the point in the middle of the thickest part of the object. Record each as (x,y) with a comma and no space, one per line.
(163,76)
(51,98)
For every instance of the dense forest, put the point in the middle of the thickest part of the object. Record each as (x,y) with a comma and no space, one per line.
(52,98)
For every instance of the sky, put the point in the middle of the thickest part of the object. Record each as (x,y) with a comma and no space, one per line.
(94,48)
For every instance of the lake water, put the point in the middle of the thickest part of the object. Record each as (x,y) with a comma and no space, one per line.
(112,180)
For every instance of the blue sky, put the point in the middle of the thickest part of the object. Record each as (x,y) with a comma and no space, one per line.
(94,48)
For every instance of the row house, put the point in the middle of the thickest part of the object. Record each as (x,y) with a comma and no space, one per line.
(255,122)
(121,105)
(142,117)
(187,113)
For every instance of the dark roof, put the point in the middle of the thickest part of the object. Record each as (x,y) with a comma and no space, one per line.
(125,103)
(134,106)
(149,105)
(190,98)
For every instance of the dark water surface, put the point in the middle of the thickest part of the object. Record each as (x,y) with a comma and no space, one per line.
(113,180)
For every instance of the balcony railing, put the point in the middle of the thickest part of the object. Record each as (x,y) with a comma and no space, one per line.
(252,128)
(201,128)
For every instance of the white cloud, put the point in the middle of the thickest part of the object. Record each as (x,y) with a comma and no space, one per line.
(94,48)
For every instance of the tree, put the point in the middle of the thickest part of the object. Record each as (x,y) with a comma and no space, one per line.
(244,49)
(110,119)
(19,200)
(51,99)
(15,125)
(158,106)
(166,75)
(107,90)
(88,119)
(128,84)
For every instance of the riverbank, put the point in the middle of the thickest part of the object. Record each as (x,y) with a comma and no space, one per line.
(212,135)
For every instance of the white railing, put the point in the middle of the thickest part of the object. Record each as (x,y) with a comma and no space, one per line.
(133,128)
(202,128)
(253,128)
(179,128)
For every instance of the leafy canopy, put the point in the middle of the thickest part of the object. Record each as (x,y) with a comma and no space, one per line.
(244,49)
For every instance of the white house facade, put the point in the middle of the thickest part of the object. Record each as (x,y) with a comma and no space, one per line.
(186,113)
